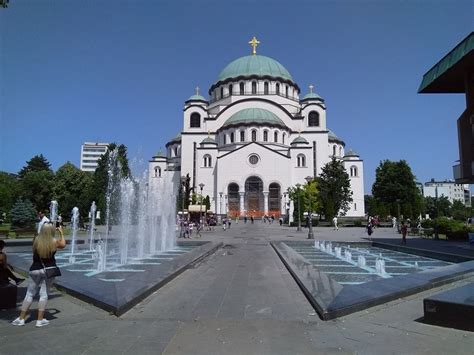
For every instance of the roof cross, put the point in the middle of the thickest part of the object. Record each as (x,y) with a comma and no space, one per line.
(254,43)
(197,90)
(311,87)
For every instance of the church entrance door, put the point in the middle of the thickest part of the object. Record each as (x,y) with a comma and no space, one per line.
(254,196)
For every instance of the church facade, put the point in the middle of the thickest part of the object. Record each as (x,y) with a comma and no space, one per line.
(254,138)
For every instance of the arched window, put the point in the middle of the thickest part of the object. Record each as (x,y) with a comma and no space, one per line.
(233,198)
(175,151)
(340,151)
(157,171)
(195,121)
(355,206)
(222,92)
(286,90)
(265,88)
(225,138)
(300,161)
(231,89)
(254,136)
(283,138)
(353,171)
(232,137)
(275,136)
(274,198)
(313,119)
(207,161)
(242,136)
(277,89)
(265,136)
(254,87)
(242,88)
(334,150)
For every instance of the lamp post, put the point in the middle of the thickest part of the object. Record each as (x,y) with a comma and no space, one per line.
(201,185)
(299,211)
(310,214)
(220,203)
(436,235)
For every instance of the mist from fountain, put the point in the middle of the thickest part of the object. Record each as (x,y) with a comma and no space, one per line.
(92,225)
(75,224)
(53,207)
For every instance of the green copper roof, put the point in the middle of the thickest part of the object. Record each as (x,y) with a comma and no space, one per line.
(299,140)
(448,74)
(332,135)
(254,65)
(196,97)
(254,115)
(351,153)
(208,140)
(160,154)
(312,95)
(175,139)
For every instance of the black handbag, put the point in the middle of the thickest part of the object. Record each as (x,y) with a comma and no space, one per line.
(51,271)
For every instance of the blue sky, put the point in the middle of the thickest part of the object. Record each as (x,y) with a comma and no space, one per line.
(74,71)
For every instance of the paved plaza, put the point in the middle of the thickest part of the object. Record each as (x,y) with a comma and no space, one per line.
(241,300)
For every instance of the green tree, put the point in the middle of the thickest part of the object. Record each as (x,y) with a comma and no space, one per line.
(308,197)
(9,189)
(459,211)
(72,189)
(37,163)
(440,207)
(335,192)
(23,213)
(37,186)
(207,202)
(395,187)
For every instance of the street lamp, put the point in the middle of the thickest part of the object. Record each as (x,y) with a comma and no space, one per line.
(220,203)
(310,214)
(436,236)
(183,184)
(201,185)
(299,211)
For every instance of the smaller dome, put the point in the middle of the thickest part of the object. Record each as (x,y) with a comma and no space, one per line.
(299,140)
(175,140)
(196,98)
(256,116)
(312,96)
(160,154)
(351,153)
(333,138)
(208,140)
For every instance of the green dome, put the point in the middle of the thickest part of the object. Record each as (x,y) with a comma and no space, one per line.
(254,115)
(196,97)
(333,138)
(208,140)
(254,65)
(299,140)
(311,95)
(351,153)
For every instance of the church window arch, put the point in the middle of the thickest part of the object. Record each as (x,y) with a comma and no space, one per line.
(334,150)
(265,136)
(242,88)
(254,87)
(231,89)
(222,92)
(277,89)
(242,136)
(232,137)
(254,135)
(225,138)
(175,151)
(265,88)
(195,120)
(300,161)
(274,199)
(283,138)
(157,171)
(286,90)
(313,119)
(233,197)
(275,136)
(353,171)
(207,160)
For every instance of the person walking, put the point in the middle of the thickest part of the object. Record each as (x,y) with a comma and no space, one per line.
(404,230)
(370,229)
(44,249)
(334,222)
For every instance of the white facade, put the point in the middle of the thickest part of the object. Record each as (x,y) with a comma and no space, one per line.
(449,189)
(254,139)
(90,154)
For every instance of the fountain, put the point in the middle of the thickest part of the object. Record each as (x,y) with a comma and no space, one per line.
(53,207)
(380,267)
(361,261)
(348,256)
(74,222)
(92,226)
(337,252)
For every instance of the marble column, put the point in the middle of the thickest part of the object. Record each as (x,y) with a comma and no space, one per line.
(242,203)
(265,202)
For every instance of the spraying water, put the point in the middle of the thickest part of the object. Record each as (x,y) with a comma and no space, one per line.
(75,222)
(53,207)
(92,226)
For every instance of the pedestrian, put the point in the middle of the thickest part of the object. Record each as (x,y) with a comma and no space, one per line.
(281,221)
(404,230)
(224,224)
(42,219)
(198,230)
(6,270)
(245,219)
(394,222)
(334,222)
(44,249)
(251,219)
(369,229)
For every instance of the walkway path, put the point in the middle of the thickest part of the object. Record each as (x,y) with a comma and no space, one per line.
(240,300)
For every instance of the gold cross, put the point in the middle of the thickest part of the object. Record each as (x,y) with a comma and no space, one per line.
(254,43)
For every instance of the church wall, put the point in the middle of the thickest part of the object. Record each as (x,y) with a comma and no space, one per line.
(357,187)
(322,116)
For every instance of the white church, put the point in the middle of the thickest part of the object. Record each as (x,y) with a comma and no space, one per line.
(254,138)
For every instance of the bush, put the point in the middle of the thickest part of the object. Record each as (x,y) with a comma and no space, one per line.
(23,214)
(454,230)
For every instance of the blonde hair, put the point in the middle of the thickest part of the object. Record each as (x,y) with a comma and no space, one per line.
(45,244)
